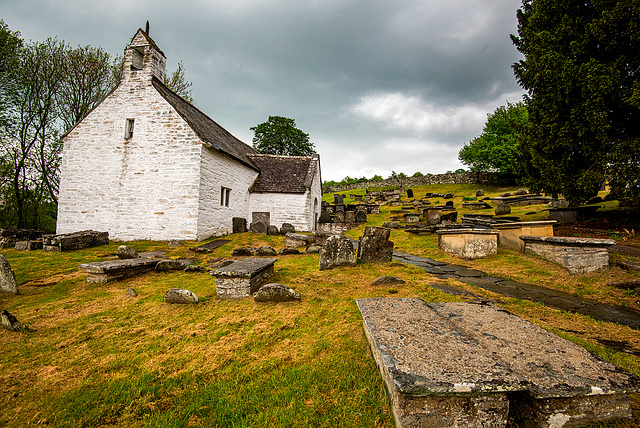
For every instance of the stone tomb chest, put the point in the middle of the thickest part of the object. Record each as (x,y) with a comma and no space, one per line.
(243,278)
(469,243)
(510,233)
(475,365)
(578,255)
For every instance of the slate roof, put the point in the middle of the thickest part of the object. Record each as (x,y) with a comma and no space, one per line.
(211,134)
(284,174)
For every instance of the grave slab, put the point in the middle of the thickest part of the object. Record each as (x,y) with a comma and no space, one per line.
(578,255)
(115,270)
(243,278)
(510,233)
(464,364)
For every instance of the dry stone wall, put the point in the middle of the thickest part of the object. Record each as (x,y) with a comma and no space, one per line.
(449,178)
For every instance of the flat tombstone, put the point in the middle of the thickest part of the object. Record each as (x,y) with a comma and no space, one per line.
(578,255)
(7,277)
(239,224)
(469,243)
(337,251)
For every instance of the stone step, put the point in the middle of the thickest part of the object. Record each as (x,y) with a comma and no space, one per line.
(476,365)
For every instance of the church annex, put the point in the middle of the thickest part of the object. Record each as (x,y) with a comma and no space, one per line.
(147,165)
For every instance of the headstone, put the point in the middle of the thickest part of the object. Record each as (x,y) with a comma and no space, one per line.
(239,224)
(262,216)
(448,196)
(357,198)
(123,252)
(9,322)
(276,293)
(131,292)
(174,243)
(521,192)
(338,199)
(503,209)
(325,218)
(350,217)
(479,193)
(409,193)
(7,277)
(449,217)
(388,280)
(339,217)
(449,204)
(272,230)
(179,296)
(391,224)
(259,227)
(338,251)
(287,228)
(265,250)
(361,216)
(375,246)
(432,215)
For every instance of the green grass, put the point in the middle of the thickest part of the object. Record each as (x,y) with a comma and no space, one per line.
(96,357)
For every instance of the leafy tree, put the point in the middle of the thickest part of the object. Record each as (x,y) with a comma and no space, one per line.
(178,84)
(580,69)
(377,178)
(496,149)
(279,136)
(87,81)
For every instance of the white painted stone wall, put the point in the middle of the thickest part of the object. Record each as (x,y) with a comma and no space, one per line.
(217,171)
(142,188)
(294,208)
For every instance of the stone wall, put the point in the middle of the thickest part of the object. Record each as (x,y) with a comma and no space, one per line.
(449,178)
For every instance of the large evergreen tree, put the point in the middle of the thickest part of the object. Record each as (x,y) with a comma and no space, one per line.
(581,70)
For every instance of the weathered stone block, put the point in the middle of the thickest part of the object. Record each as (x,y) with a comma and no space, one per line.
(337,251)
(578,255)
(243,278)
(276,293)
(469,243)
(179,296)
(297,240)
(511,232)
(8,282)
(239,224)
(114,270)
(375,246)
(75,240)
(28,245)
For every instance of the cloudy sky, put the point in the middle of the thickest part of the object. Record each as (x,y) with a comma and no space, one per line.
(379,85)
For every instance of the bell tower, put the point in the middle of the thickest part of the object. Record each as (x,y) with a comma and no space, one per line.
(143,59)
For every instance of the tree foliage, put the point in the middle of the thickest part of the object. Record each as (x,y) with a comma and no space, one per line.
(496,149)
(279,136)
(580,69)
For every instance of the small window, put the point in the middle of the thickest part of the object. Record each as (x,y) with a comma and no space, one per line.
(128,129)
(225,196)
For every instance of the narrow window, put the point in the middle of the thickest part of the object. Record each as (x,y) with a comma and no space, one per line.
(128,129)
(225,196)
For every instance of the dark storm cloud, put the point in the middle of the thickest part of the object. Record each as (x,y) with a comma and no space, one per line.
(379,85)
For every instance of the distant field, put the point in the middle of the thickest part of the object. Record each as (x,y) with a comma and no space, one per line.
(95,357)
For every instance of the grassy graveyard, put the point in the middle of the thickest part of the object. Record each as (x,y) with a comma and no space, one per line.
(93,356)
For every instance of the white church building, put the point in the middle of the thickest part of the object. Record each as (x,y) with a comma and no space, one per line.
(147,165)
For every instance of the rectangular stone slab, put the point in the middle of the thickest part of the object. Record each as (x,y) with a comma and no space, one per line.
(242,278)
(422,348)
(435,373)
(113,270)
